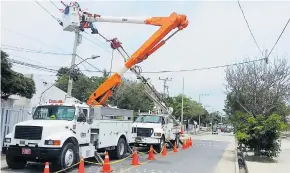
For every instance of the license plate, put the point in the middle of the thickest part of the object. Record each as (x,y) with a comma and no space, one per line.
(26,151)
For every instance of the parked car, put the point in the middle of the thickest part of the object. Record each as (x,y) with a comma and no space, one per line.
(229,129)
(214,130)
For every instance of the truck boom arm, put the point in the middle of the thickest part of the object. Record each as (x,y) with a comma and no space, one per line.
(150,91)
(167,24)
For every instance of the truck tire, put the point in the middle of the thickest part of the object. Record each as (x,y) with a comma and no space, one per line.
(68,157)
(15,162)
(160,145)
(120,150)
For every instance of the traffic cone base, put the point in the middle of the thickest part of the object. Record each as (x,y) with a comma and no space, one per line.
(46,168)
(106,165)
(184,144)
(164,152)
(175,148)
(135,160)
(81,166)
(151,154)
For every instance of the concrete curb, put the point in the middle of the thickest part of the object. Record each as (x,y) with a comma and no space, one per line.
(237,169)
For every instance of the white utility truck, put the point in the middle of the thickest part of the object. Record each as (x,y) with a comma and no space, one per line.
(63,132)
(155,130)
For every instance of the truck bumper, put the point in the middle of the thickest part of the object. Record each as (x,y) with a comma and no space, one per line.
(146,141)
(34,154)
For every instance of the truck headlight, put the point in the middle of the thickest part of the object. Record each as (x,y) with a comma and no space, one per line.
(52,142)
(157,134)
(7,140)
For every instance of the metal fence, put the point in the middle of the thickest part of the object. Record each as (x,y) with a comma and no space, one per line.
(9,117)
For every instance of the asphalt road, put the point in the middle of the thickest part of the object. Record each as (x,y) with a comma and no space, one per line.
(203,157)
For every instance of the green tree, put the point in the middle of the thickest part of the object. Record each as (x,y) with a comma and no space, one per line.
(256,104)
(191,109)
(131,95)
(13,82)
(260,133)
(83,85)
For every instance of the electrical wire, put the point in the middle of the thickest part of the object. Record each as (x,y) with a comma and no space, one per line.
(164,71)
(205,68)
(30,38)
(250,28)
(54,5)
(95,43)
(279,38)
(15,48)
(98,70)
(25,58)
(59,21)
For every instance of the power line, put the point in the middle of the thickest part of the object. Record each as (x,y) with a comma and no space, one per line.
(279,37)
(25,36)
(250,28)
(54,5)
(90,64)
(205,68)
(31,65)
(59,21)
(95,43)
(25,58)
(15,48)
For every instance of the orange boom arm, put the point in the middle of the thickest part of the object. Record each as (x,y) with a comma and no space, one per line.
(167,24)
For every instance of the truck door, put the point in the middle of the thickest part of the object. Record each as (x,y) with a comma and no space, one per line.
(82,126)
(165,126)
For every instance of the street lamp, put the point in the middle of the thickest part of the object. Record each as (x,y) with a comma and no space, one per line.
(200,103)
(69,87)
(92,57)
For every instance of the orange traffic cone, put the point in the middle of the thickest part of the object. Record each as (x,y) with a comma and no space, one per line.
(81,166)
(181,132)
(135,160)
(151,154)
(184,144)
(106,165)
(175,148)
(164,152)
(46,168)
(190,141)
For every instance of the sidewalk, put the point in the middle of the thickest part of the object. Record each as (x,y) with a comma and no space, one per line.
(3,162)
(227,164)
(280,164)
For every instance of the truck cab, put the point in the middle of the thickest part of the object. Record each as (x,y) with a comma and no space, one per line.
(63,132)
(155,130)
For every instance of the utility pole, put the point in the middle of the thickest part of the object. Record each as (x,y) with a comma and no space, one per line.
(74,54)
(182,101)
(164,85)
(266,61)
(200,103)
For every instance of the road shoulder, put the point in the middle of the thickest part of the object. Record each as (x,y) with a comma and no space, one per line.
(227,162)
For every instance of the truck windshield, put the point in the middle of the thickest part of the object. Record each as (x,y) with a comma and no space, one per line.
(148,119)
(54,113)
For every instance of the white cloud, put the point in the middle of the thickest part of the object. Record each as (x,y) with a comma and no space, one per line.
(217,34)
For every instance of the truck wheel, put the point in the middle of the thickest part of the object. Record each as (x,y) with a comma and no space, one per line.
(15,162)
(120,150)
(160,145)
(67,156)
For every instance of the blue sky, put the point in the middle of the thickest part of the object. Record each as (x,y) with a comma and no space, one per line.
(217,35)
